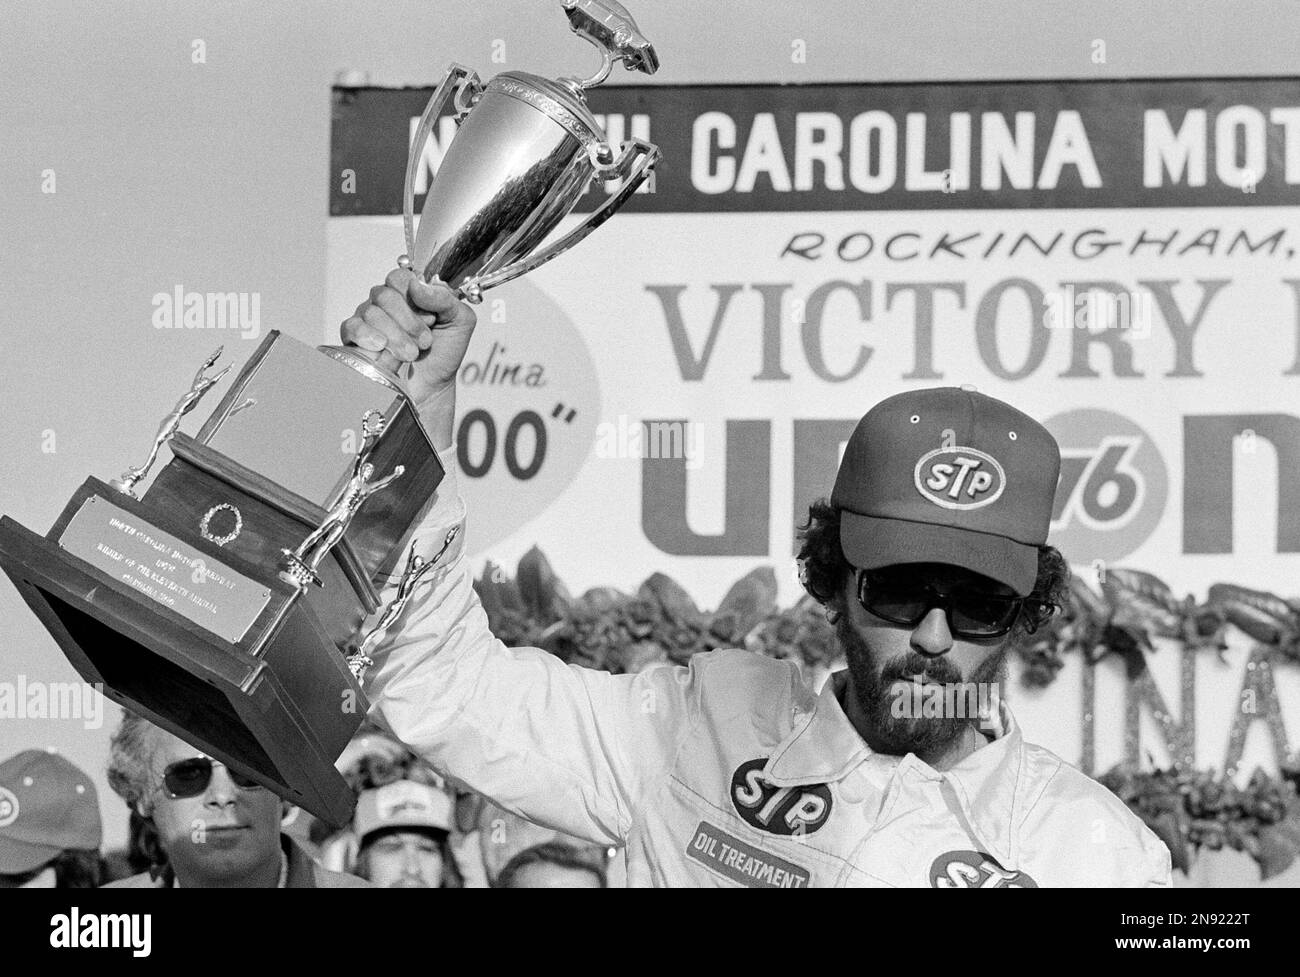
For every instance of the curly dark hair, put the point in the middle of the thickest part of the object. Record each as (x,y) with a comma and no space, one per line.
(823,568)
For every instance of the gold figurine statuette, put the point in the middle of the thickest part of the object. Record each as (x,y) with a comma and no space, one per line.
(201,385)
(416,568)
(300,565)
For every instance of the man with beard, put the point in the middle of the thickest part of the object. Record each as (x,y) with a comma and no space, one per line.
(907,769)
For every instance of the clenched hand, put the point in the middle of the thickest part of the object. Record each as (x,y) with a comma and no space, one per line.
(408,321)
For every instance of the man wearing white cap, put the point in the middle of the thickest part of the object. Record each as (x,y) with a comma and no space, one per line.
(402,830)
(908,769)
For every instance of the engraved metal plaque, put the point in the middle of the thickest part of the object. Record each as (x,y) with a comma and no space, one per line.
(166,569)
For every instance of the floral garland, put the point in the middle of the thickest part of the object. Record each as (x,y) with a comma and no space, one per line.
(617,632)
(1134,606)
(1189,810)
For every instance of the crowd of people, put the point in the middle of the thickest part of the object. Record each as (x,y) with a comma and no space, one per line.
(196,823)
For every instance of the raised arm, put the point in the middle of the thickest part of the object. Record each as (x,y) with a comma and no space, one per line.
(568,747)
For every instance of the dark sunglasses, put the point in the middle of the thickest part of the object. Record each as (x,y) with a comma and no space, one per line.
(970,613)
(190,778)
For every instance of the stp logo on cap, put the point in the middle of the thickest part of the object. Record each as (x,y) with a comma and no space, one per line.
(959,478)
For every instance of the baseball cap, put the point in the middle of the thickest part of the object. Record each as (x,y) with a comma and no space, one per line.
(402,804)
(47,805)
(948,475)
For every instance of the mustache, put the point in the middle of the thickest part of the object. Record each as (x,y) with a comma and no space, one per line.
(914,663)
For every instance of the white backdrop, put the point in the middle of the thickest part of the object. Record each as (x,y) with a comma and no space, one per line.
(783,327)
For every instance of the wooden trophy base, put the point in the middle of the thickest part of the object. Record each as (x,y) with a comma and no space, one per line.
(184,607)
(258,684)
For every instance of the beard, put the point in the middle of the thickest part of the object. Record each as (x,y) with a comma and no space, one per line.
(926,736)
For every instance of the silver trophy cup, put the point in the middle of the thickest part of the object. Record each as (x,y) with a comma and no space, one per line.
(526,149)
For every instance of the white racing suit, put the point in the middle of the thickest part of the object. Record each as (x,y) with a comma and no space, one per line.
(729,772)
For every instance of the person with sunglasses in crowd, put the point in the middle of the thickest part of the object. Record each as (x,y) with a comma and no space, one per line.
(908,769)
(215,827)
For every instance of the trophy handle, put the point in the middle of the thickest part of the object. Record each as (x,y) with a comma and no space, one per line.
(634,163)
(457,81)
(383,366)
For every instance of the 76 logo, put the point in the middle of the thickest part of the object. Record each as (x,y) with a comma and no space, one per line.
(1099,487)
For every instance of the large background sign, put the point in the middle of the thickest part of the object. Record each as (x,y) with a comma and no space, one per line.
(1115,258)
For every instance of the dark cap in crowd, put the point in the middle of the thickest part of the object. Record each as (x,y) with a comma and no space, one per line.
(47,806)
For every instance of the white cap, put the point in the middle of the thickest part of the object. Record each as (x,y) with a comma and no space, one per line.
(402,804)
